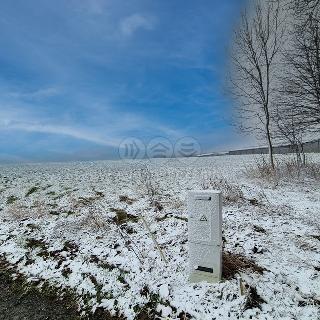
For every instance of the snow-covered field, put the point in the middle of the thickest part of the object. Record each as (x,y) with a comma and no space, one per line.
(79,226)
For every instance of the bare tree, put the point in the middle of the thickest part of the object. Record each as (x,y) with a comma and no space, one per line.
(303,6)
(289,129)
(255,55)
(302,79)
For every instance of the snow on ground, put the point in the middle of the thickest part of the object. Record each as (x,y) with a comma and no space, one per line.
(78,226)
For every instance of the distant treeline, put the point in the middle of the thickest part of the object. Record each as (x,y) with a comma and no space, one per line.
(309,147)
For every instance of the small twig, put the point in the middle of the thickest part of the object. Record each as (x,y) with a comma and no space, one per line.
(120,231)
(153,238)
(241,286)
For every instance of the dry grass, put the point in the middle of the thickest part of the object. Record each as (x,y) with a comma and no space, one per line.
(18,211)
(31,191)
(232,193)
(234,263)
(148,184)
(261,170)
(126,199)
(39,208)
(94,219)
(253,300)
(11,199)
(123,217)
(285,170)
(87,201)
(313,170)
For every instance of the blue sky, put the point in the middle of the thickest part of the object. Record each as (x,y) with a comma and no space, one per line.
(79,76)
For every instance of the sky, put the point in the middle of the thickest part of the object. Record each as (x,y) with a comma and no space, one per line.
(78,77)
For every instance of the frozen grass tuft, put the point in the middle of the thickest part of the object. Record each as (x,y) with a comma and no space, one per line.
(234,263)
(253,300)
(287,170)
(18,211)
(94,219)
(31,191)
(126,199)
(123,217)
(11,199)
(232,193)
(148,184)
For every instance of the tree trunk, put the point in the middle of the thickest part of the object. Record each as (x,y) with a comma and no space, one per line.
(270,153)
(270,148)
(298,153)
(303,154)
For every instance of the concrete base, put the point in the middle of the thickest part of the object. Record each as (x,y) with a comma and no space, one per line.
(198,276)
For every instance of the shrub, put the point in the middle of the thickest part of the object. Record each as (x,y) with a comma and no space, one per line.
(262,170)
(285,170)
(93,220)
(231,193)
(148,184)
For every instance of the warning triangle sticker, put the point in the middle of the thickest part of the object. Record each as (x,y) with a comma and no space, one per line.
(203,218)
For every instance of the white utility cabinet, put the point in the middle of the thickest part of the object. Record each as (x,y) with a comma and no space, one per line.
(205,235)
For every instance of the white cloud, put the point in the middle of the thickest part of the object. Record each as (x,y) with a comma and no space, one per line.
(71,131)
(38,94)
(90,7)
(14,118)
(134,22)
